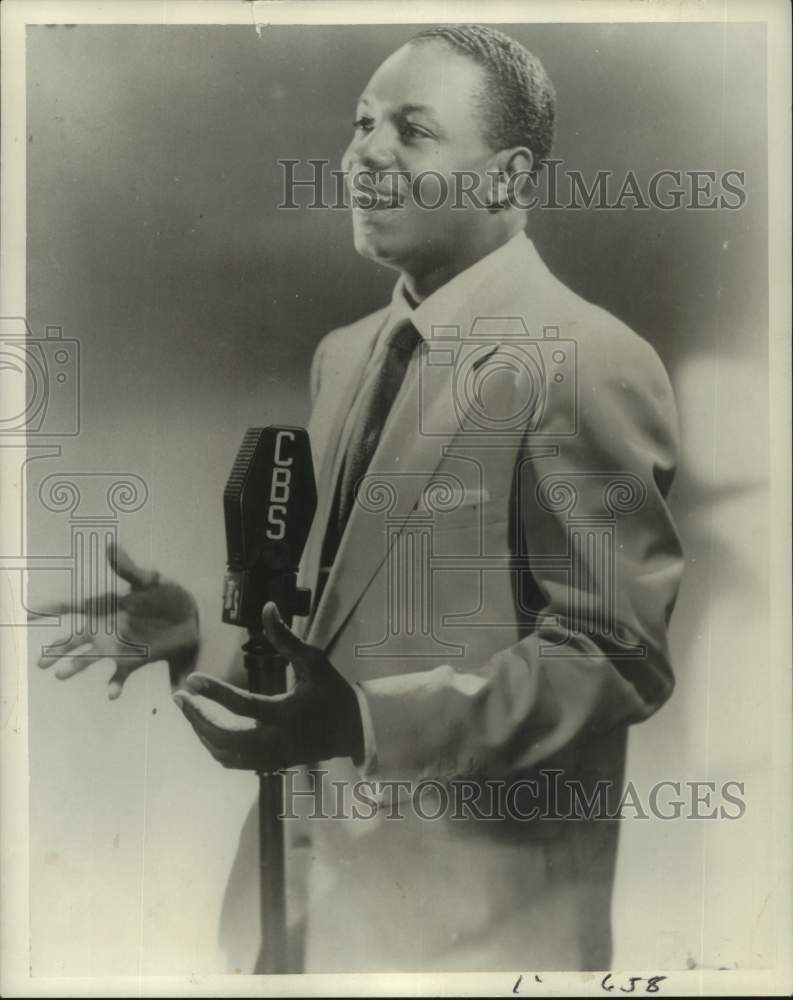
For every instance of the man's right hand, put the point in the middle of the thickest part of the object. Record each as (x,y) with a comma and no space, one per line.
(160,616)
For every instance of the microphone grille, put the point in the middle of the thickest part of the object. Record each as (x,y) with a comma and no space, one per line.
(242,463)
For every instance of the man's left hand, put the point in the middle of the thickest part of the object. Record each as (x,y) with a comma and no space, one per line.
(317,720)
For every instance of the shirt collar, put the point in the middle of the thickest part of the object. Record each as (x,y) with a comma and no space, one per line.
(467,288)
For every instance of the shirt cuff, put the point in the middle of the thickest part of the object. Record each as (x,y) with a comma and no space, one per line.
(369,762)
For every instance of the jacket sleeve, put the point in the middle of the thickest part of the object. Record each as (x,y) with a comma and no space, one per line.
(596,656)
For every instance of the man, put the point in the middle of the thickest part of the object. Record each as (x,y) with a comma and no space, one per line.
(493,557)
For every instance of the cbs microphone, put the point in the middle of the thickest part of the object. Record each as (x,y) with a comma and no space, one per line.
(268,504)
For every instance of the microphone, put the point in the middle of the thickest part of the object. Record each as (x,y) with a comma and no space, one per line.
(269,504)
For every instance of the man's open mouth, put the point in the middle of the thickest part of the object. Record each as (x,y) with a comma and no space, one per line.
(370,201)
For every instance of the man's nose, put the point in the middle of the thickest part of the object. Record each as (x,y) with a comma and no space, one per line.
(375,150)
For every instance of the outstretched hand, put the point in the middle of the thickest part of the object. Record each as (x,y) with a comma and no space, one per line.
(317,720)
(156,620)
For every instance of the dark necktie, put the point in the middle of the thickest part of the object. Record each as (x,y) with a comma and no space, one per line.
(379,395)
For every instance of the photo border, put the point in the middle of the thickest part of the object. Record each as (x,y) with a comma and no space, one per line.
(14,832)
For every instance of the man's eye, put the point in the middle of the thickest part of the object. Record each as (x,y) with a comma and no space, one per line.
(363,123)
(415,131)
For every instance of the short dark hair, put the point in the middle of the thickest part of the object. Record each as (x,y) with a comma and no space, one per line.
(519,108)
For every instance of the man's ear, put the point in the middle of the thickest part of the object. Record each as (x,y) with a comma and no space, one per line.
(511,175)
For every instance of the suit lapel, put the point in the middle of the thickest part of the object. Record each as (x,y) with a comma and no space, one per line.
(332,454)
(399,472)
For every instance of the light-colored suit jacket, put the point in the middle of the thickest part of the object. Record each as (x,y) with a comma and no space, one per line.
(501,597)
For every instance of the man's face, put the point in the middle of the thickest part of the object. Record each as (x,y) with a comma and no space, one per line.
(417,114)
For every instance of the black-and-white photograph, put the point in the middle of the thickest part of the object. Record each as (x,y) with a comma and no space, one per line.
(396,558)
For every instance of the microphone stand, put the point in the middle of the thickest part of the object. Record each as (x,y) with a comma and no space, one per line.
(267,675)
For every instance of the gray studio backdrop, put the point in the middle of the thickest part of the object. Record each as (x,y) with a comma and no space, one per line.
(154,239)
